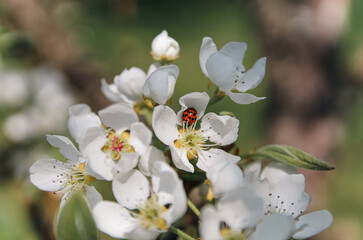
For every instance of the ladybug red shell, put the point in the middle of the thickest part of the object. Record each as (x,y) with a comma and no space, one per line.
(190,116)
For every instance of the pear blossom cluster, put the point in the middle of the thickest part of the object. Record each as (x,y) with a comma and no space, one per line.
(38,101)
(148,161)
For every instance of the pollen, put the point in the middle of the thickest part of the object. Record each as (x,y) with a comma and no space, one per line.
(82,166)
(72,178)
(190,140)
(117,144)
(150,214)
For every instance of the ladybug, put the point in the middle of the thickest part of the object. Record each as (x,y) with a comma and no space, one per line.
(190,116)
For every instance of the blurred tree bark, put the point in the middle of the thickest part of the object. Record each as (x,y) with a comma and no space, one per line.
(57,47)
(301,43)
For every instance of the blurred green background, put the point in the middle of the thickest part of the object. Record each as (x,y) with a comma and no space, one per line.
(115,35)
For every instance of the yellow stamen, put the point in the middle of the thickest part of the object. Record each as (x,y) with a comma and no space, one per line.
(178,144)
(125,136)
(210,194)
(149,104)
(161,224)
(191,154)
(82,166)
(88,179)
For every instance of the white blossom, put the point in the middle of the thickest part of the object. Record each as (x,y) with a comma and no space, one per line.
(279,203)
(164,48)
(283,192)
(128,86)
(225,69)
(159,86)
(224,176)
(65,176)
(238,210)
(43,99)
(117,144)
(142,212)
(13,88)
(186,142)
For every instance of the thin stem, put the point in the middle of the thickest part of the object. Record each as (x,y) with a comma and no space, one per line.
(180,233)
(218,95)
(194,208)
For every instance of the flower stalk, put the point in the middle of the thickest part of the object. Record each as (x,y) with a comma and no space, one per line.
(193,208)
(180,233)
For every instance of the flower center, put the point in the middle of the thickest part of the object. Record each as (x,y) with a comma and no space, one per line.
(116,144)
(190,140)
(73,178)
(276,205)
(150,214)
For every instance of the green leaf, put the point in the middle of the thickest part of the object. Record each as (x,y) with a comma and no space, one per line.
(75,220)
(291,156)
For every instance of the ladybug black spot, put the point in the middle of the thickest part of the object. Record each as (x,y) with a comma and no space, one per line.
(190,116)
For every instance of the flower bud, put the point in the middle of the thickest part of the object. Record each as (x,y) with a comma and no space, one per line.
(164,48)
(159,86)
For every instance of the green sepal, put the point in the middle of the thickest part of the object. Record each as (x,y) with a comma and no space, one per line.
(75,220)
(291,156)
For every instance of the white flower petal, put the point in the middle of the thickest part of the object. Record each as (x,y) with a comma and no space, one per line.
(130,189)
(224,176)
(110,91)
(222,130)
(140,137)
(196,100)
(152,68)
(313,223)
(127,162)
(274,171)
(208,48)
(93,197)
(222,71)
(118,116)
(130,83)
(80,120)
(253,77)
(145,234)
(113,219)
(290,193)
(253,168)
(275,227)
(240,208)
(235,50)
(243,98)
(179,158)
(170,190)
(91,134)
(164,124)
(159,86)
(206,159)
(210,224)
(261,187)
(147,160)
(45,174)
(66,147)
(98,161)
